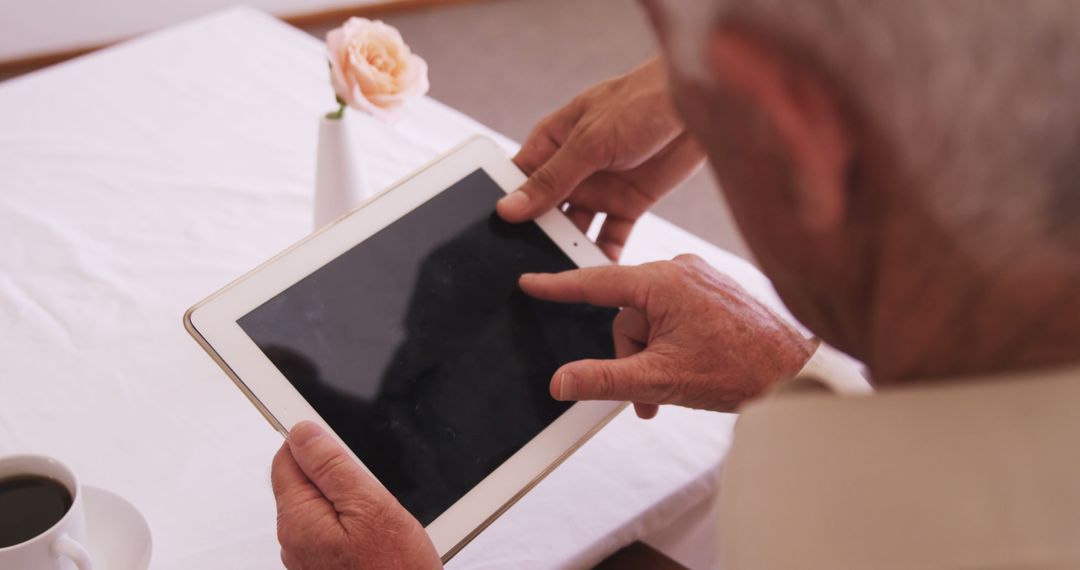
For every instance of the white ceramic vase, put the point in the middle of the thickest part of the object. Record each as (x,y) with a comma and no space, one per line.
(340,183)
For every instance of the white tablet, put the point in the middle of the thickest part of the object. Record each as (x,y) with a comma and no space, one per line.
(401,328)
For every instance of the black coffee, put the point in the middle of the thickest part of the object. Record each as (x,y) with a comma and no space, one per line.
(29,506)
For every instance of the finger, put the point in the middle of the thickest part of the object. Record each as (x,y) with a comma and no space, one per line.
(628,194)
(581,218)
(670,167)
(330,468)
(646,411)
(535,151)
(288,481)
(625,196)
(288,561)
(552,182)
(300,504)
(613,194)
(547,136)
(613,235)
(625,379)
(630,331)
(285,475)
(608,286)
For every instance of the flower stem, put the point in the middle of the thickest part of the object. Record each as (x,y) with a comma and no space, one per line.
(336,115)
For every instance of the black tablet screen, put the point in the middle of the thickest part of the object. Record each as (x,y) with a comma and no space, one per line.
(421,352)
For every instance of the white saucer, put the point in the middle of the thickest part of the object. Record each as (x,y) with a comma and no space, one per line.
(117,535)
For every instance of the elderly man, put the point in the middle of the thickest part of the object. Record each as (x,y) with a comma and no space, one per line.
(908,175)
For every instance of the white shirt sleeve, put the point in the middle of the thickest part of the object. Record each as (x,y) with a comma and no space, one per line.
(833,370)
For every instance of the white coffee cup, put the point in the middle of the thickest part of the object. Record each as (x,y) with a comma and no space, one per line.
(60,547)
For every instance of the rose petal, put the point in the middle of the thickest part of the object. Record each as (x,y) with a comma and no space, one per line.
(334,40)
(387,32)
(417,81)
(358,101)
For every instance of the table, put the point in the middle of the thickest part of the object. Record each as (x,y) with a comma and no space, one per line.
(136,180)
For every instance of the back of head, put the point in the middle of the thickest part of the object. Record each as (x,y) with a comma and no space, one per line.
(979,101)
(959,250)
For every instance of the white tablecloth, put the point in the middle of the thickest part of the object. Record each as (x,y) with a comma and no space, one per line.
(136,180)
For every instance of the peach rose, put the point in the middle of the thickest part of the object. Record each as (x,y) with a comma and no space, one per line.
(372,69)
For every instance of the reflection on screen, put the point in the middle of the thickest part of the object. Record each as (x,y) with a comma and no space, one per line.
(419,349)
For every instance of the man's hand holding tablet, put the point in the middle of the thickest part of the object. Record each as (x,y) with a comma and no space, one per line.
(332,514)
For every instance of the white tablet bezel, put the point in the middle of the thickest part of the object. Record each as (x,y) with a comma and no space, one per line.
(213,323)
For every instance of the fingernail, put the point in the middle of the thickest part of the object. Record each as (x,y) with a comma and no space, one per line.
(516,200)
(566,386)
(304,432)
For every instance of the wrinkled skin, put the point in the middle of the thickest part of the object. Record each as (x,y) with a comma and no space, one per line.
(615,149)
(333,514)
(687,335)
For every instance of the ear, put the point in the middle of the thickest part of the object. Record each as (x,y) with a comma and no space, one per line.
(804,112)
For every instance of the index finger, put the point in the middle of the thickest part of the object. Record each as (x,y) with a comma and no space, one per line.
(607,286)
(547,136)
(536,150)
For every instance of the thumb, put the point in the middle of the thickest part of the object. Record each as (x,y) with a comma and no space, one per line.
(551,183)
(633,378)
(329,466)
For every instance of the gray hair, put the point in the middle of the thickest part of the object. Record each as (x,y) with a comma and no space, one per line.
(980,98)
